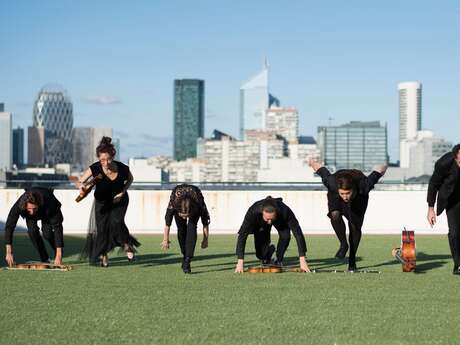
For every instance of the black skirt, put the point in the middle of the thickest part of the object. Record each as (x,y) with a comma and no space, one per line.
(107,229)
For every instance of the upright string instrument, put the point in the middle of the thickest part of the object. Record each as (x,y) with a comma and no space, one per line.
(406,253)
(88,186)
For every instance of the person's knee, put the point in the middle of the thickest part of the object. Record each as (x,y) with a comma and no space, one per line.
(335,216)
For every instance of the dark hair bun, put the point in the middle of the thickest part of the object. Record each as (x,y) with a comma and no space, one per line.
(106,146)
(106,141)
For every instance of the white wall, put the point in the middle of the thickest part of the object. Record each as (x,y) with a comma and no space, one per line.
(388,211)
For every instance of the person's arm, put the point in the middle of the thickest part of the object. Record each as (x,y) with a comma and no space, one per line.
(293,224)
(205,219)
(241,242)
(435,183)
(322,171)
(56,224)
(168,221)
(10,226)
(374,177)
(128,182)
(82,180)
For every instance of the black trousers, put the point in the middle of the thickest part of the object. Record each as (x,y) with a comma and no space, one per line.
(453,221)
(354,212)
(262,241)
(186,235)
(52,232)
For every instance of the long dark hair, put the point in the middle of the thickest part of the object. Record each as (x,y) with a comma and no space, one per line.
(455,149)
(30,197)
(106,146)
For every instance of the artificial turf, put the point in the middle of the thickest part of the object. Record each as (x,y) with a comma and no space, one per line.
(152,302)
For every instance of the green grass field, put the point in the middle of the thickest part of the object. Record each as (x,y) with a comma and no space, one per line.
(153,302)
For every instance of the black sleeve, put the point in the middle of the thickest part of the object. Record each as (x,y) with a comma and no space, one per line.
(435,183)
(324,173)
(170,209)
(244,232)
(372,180)
(293,224)
(95,169)
(205,219)
(56,224)
(11,222)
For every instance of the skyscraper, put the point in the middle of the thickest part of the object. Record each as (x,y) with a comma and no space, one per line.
(18,147)
(355,145)
(410,114)
(52,113)
(188,116)
(84,143)
(255,99)
(5,141)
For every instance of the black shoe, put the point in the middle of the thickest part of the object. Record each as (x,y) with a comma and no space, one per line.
(268,259)
(456,270)
(278,263)
(352,268)
(342,252)
(186,265)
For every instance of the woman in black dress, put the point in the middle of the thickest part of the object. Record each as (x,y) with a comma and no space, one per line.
(107,228)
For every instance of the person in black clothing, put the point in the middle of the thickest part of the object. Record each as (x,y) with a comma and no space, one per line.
(187,206)
(445,183)
(34,205)
(107,228)
(348,195)
(258,221)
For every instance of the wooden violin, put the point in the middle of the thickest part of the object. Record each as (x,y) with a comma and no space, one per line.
(406,253)
(88,186)
(272,269)
(38,266)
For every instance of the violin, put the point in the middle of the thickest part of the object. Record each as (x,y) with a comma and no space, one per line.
(39,266)
(88,186)
(272,269)
(406,254)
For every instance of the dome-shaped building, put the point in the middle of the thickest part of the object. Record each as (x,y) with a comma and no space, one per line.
(53,114)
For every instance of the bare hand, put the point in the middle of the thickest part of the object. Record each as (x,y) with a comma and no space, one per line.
(204,243)
(165,244)
(314,164)
(381,169)
(431,216)
(239,268)
(10,259)
(118,197)
(303,264)
(82,190)
(58,260)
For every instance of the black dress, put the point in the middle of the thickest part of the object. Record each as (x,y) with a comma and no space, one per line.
(107,228)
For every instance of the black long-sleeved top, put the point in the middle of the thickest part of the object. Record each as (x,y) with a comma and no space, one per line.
(285,219)
(47,210)
(443,183)
(193,193)
(362,183)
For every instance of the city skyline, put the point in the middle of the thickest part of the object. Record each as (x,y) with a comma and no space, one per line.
(345,65)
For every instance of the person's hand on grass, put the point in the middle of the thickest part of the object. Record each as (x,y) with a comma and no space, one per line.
(165,244)
(303,265)
(239,266)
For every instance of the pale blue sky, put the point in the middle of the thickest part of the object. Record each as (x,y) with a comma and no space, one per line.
(339,59)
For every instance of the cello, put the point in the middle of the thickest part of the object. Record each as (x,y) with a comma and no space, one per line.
(406,253)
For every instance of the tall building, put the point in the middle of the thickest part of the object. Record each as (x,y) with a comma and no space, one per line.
(6,142)
(18,147)
(188,116)
(356,145)
(2,107)
(84,143)
(283,121)
(424,150)
(255,99)
(52,127)
(410,112)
